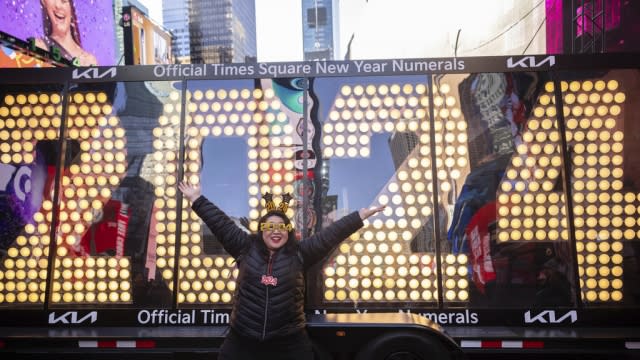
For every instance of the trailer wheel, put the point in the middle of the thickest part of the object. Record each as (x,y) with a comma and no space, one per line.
(320,352)
(404,345)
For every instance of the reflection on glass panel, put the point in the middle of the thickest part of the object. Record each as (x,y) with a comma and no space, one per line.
(375,147)
(265,115)
(224,179)
(602,128)
(111,245)
(451,132)
(508,212)
(30,119)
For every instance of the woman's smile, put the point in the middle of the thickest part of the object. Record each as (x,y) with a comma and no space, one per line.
(276,238)
(60,16)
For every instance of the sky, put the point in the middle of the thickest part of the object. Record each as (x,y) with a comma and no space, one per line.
(443,28)
(155,9)
(278,28)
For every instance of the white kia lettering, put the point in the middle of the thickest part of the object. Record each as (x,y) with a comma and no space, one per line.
(71,317)
(94,73)
(528,62)
(549,317)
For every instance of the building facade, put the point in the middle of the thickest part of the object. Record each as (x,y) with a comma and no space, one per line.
(175,17)
(401,145)
(222,31)
(318,29)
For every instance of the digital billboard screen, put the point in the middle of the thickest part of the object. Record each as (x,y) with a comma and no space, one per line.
(145,43)
(12,58)
(84,30)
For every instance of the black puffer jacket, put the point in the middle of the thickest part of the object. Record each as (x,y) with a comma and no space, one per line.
(264,311)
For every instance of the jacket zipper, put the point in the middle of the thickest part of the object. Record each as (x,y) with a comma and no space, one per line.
(266,302)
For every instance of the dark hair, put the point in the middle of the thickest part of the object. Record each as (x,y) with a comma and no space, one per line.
(291,234)
(46,22)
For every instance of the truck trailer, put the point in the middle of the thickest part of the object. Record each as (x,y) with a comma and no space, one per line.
(512,219)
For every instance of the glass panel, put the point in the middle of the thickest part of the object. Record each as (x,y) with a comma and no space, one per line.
(500,179)
(602,132)
(29,132)
(451,132)
(375,144)
(115,239)
(242,140)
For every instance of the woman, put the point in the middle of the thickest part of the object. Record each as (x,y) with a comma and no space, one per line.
(60,26)
(268,319)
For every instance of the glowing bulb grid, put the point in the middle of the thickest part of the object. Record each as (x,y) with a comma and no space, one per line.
(252,113)
(605,216)
(377,264)
(26,119)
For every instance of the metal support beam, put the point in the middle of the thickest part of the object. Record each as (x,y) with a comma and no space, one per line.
(588,30)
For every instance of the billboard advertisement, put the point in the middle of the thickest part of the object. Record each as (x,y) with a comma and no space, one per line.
(146,43)
(80,30)
(12,58)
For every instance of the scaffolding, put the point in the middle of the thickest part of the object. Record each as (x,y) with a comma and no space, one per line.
(588,27)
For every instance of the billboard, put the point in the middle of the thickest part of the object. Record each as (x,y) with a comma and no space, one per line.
(18,59)
(145,42)
(84,30)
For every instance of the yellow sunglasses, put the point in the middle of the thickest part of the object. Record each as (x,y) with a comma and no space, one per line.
(275,226)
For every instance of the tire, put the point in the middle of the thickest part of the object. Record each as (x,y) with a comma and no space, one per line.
(404,345)
(319,352)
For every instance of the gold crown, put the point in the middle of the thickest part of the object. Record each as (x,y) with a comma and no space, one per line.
(282,207)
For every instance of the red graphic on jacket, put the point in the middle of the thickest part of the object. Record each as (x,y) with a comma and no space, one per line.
(269,279)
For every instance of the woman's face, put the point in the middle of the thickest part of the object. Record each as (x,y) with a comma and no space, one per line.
(59,12)
(275,237)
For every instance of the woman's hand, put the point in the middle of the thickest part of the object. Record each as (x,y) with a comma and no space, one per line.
(191,192)
(366,212)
